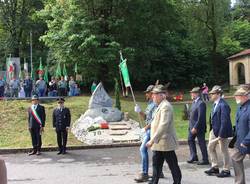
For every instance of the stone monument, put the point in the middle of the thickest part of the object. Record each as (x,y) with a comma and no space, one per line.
(118,130)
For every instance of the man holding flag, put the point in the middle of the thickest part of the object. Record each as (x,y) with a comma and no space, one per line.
(36,123)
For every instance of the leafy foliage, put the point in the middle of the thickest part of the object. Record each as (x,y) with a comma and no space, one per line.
(183,42)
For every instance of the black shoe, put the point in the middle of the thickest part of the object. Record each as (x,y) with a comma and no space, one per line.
(223,174)
(212,171)
(33,152)
(60,152)
(192,160)
(150,181)
(64,152)
(141,178)
(203,163)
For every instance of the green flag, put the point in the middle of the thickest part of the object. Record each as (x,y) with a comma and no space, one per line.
(40,69)
(5,76)
(20,74)
(125,74)
(65,72)
(76,68)
(58,71)
(33,75)
(46,75)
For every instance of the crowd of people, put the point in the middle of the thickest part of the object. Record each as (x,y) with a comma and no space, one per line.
(18,88)
(160,134)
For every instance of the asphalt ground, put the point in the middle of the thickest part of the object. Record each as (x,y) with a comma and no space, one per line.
(100,166)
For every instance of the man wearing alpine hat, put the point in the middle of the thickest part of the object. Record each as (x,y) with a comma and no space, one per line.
(163,140)
(242,127)
(36,123)
(61,124)
(148,117)
(220,131)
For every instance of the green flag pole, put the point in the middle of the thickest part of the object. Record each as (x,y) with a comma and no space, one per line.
(65,74)
(46,75)
(58,70)
(124,70)
(121,58)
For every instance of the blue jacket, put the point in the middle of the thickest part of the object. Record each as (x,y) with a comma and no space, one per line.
(197,118)
(221,121)
(242,126)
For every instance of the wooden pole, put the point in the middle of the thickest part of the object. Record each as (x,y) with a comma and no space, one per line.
(141,122)
(123,93)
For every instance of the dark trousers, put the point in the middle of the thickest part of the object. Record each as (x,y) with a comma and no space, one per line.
(171,159)
(202,144)
(27,93)
(62,136)
(36,139)
(62,92)
(1,91)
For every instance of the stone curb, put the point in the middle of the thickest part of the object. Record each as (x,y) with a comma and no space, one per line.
(86,147)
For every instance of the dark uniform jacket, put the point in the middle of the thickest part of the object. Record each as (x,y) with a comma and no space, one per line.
(32,122)
(243,128)
(197,118)
(221,121)
(28,84)
(61,119)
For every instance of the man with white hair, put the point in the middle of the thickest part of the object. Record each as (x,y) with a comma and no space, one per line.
(242,127)
(147,116)
(163,140)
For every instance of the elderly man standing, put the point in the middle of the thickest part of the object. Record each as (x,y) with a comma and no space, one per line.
(163,141)
(147,116)
(197,128)
(221,130)
(242,144)
(28,86)
(14,87)
(2,86)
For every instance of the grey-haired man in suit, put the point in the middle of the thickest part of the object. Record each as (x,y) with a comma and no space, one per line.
(197,128)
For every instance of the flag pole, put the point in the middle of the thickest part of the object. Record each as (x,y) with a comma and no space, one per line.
(133,96)
(123,93)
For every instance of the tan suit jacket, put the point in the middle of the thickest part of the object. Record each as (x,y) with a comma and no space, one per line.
(163,134)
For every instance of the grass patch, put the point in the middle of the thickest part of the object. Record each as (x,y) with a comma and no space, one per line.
(14,125)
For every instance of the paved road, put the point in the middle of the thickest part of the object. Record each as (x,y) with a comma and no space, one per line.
(98,166)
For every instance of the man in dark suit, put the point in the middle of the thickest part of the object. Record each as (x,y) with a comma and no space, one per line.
(242,127)
(61,124)
(197,128)
(36,123)
(220,130)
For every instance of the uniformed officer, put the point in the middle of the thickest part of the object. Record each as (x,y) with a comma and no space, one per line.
(36,123)
(61,124)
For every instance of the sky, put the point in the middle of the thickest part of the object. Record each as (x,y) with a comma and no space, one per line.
(232,2)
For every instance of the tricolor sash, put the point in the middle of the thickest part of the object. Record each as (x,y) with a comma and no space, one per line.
(36,116)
